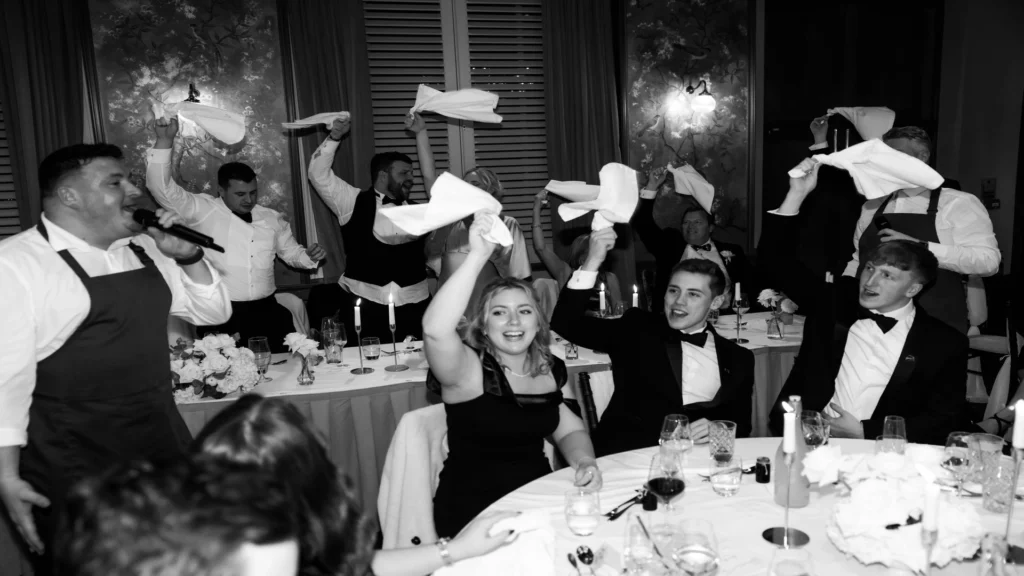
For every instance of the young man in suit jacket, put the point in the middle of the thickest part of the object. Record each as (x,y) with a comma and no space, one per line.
(692,240)
(671,363)
(868,352)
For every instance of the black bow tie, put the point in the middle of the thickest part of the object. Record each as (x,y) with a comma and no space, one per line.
(246,217)
(704,248)
(885,323)
(697,339)
(385,200)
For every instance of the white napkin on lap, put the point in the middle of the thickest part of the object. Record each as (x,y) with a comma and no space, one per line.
(689,182)
(465,104)
(530,553)
(616,200)
(870,121)
(451,200)
(325,118)
(228,127)
(878,170)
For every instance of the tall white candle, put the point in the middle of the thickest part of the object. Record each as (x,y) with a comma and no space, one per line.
(636,297)
(1018,427)
(359,317)
(391,310)
(601,293)
(789,432)
(930,514)
(737,290)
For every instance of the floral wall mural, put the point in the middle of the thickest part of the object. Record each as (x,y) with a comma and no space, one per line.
(674,46)
(150,50)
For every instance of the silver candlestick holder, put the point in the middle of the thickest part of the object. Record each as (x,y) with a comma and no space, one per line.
(397,367)
(361,370)
(784,536)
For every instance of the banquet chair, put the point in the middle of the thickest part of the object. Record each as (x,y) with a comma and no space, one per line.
(1007,381)
(977,314)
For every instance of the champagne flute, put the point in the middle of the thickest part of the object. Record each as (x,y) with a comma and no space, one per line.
(742,305)
(675,434)
(261,350)
(665,479)
(957,458)
(696,552)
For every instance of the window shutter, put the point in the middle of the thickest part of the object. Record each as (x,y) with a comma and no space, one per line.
(506,55)
(405,46)
(10,222)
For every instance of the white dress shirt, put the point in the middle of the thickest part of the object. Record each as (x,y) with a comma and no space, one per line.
(249,249)
(43,302)
(701,378)
(712,255)
(967,244)
(869,360)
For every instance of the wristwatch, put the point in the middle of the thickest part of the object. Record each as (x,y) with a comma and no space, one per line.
(442,548)
(189,260)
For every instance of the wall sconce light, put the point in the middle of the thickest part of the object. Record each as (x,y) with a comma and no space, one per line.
(704,102)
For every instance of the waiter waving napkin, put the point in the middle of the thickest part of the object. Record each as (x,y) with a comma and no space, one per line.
(84,372)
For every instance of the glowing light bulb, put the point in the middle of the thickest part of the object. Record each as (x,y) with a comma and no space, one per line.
(704,103)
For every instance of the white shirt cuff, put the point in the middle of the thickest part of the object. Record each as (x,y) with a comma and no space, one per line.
(818,146)
(582,280)
(777,213)
(939,250)
(307,262)
(13,437)
(646,194)
(158,156)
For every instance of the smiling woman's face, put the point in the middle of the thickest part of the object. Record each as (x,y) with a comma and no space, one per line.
(511,323)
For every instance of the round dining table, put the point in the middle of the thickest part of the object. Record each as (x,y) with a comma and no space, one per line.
(738,521)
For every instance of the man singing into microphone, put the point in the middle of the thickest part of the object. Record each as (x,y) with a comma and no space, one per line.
(84,373)
(252,235)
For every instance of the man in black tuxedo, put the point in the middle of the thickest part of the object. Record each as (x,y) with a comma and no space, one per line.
(692,240)
(662,364)
(868,352)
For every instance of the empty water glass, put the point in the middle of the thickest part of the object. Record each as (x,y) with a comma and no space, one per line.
(638,555)
(997,488)
(895,426)
(726,477)
(985,449)
(582,511)
(888,444)
(721,440)
(371,348)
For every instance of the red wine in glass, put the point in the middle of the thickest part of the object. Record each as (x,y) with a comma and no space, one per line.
(666,488)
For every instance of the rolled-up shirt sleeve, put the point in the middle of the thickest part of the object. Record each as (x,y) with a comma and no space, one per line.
(18,360)
(200,304)
(293,253)
(340,196)
(974,249)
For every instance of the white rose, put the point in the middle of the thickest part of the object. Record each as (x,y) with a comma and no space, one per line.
(225,341)
(185,395)
(190,372)
(215,364)
(788,306)
(211,342)
(246,353)
(230,352)
(176,365)
(293,340)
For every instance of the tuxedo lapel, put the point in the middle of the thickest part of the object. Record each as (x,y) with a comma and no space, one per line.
(913,349)
(674,351)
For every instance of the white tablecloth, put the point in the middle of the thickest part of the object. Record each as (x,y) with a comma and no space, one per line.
(738,521)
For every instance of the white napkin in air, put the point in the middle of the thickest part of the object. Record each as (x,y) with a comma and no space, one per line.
(689,182)
(531,553)
(465,104)
(615,202)
(870,121)
(451,200)
(878,170)
(573,191)
(228,127)
(325,118)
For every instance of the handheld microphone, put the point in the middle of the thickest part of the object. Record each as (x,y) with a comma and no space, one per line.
(148,218)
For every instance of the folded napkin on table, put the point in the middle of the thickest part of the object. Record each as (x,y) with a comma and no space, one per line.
(465,104)
(228,127)
(870,121)
(615,201)
(325,118)
(878,170)
(530,553)
(689,182)
(451,200)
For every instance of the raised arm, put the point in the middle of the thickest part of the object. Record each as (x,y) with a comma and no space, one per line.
(515,260)
(415,124)
(340,196)
(555,266)
(451,361)
(193,208)
(665,245)
(866,213)
(570,319)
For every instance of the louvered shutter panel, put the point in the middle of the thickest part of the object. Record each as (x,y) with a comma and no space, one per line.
(10,223)
(506,54)
(405,48)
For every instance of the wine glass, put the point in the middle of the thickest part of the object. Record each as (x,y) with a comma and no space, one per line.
(957,458)
(895,426)
(742,305)
(675,434)
(329,334)
(665,479)
(341,339)
(815,427)
(261,350)
(791,562)
(696,551)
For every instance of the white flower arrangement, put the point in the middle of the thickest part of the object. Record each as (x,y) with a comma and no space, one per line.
(776,301)
(878,521)
(211,368)
(302,345)
(727,256)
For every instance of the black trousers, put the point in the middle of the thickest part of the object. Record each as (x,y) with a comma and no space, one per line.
(263,317)
(331,300)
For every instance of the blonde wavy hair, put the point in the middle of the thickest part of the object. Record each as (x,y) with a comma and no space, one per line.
(538,359)
(490,181)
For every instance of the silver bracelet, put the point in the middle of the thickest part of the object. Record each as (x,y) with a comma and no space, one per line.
(442,548)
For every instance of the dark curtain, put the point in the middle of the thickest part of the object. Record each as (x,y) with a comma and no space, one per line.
(326,69)
(48,76)
(583,90)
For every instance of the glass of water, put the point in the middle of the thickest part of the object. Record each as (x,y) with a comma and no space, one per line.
(582,511)
(371,348)
(639,557)
(887,443)
(726,477)
(696,550)
(997,488)
(791,562)
(957,458)
(675,434)
(721,440)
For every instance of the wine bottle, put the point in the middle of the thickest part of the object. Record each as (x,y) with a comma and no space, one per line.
(799,488)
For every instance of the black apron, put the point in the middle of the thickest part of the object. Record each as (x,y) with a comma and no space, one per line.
(946,298)
(105,396)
